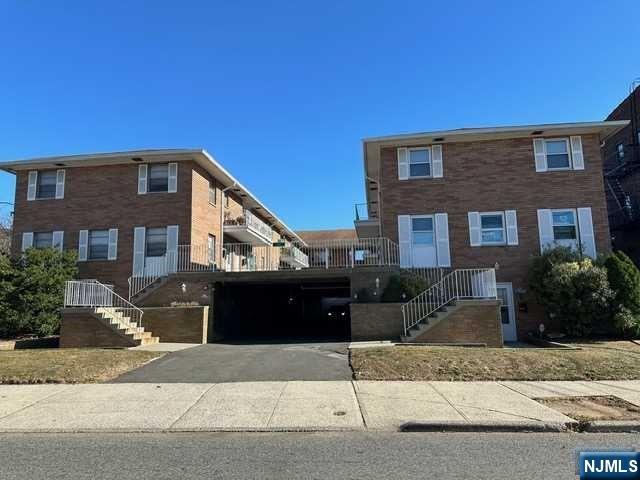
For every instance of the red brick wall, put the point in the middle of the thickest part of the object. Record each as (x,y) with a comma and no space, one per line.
(492,176)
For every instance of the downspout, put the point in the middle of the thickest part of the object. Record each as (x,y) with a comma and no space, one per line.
(222,207)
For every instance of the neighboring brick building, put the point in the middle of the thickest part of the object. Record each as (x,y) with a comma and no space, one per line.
(488,197)
(127,212)
(621,154)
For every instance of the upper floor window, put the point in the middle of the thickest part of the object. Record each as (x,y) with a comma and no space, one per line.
(213,193)
(419,162)
(98,244)
(492,228)
(158,177)
(564,226)
(620,151)
(42,240)
(558,154)
(45,184)
(156,242)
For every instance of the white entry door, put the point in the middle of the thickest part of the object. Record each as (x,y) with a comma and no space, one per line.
(507,312)
(423,247)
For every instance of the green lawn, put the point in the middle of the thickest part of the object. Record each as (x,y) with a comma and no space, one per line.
(69,365)
(618,361)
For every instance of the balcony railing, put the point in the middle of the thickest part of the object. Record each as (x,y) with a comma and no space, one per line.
(249,220)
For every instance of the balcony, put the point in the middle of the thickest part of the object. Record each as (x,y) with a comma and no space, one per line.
(294,257)
(248,228)
(367,222)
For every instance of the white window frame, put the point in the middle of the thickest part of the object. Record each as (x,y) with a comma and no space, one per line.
(150,167)
(213,188)
(575,224)
(35,234)
(430,162)
(432,231)
(504,229)
(100,259)
(620,151)
(567,142)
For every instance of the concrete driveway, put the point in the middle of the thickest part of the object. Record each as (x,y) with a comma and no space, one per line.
(218,362)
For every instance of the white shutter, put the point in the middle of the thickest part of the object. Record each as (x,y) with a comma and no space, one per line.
(436,161)
(475,234)
(545,229)
(587,238)
(442,239)
(173,178)
(138,251)
(404,240)
(58,240)
(27,240)
(540,154)
(403,164)
(113,244)
(32,185)
(83,245)
(511,221)
(172,248)
(142,179)
(576,153)
(60,174)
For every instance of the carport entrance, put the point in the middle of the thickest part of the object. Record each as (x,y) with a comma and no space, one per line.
(298,311)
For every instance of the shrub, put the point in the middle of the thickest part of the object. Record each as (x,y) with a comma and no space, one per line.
(541,266)
(624,279)
(32,289)
(403,287)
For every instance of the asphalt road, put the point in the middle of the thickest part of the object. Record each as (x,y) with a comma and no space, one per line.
(298,455)
(217,362)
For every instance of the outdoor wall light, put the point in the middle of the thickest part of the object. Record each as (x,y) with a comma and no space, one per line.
(497,266)
(183,287)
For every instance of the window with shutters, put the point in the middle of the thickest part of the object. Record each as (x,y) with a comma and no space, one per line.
(158,177)
(557,154)
(419,162)
(565,228)
(46,184)
(156,242)
(492,228)
(43,239)
(422,231)
(98,245)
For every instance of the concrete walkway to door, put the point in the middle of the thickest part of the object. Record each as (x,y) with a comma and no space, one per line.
(218,362)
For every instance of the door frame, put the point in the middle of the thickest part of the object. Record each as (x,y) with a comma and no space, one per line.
(508,286)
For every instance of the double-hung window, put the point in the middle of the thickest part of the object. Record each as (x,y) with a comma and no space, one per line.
(492,229)
(620,151)
(43,239)
(422,230)
(565,229)
(156,242)
(46,186)
(213,193)
(158,177)
(557,152)
(419,162)
(211,249)
(98,245)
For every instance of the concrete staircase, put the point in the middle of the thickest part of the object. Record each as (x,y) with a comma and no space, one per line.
(122,325)
(427,323)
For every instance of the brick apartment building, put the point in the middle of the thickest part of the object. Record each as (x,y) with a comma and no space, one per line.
(125,213)
(621,153)
(489,197)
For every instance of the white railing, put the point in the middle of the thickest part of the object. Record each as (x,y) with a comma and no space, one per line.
(464,284)
(252,222)
(294,256)
(242,257)
(93,294)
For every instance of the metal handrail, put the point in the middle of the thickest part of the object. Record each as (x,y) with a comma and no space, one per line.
(93,294)
(461,284)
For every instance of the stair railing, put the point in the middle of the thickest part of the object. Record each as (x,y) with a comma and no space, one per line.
(93,294)
(462,284)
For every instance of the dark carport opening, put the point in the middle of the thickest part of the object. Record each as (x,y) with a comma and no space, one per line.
(284,311)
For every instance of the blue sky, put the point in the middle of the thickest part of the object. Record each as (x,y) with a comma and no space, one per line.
(281,93)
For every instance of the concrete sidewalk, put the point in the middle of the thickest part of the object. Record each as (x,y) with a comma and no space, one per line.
(276,406)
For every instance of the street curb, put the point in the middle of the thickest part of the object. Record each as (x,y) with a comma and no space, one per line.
(463,426)
(612,426)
